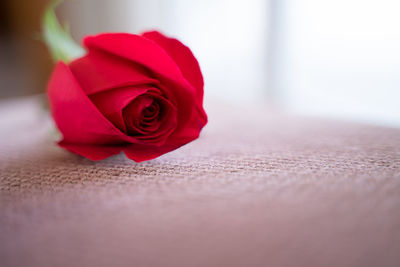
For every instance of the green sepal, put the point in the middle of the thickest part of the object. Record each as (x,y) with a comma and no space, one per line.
(57,38)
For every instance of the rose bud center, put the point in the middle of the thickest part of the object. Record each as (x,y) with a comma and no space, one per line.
(149,114)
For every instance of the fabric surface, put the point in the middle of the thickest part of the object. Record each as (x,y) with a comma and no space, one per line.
(256,189)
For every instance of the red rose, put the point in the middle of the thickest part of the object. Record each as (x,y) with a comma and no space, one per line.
(139,94)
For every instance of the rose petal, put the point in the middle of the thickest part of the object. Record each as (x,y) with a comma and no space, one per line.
(99,71)
(139,50)
(112,102)
(183,57)
(188,132)
(93,152)
(141,153)
(76,116)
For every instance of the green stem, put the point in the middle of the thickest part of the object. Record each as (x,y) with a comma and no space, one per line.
(57,38)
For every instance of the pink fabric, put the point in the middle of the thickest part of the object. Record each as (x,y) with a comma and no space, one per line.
(291,192)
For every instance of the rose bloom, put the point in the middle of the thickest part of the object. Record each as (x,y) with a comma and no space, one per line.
(140,94)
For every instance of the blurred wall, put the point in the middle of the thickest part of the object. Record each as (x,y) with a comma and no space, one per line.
(335,58)
(338,59)
(229,37)
(25,64)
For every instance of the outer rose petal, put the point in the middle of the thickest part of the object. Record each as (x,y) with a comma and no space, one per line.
(76,116)
(99,71)
(93,152)
(140,50)
(141,153)
(183,57)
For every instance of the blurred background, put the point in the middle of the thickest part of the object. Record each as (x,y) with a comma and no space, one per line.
(328,58)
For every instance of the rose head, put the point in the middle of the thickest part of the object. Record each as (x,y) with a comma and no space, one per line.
(139,94)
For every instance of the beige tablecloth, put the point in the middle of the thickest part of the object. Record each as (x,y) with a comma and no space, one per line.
(257,189)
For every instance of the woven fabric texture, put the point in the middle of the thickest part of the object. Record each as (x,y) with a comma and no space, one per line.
(257,189)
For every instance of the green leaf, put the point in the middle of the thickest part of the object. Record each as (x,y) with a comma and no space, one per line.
(57,38)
